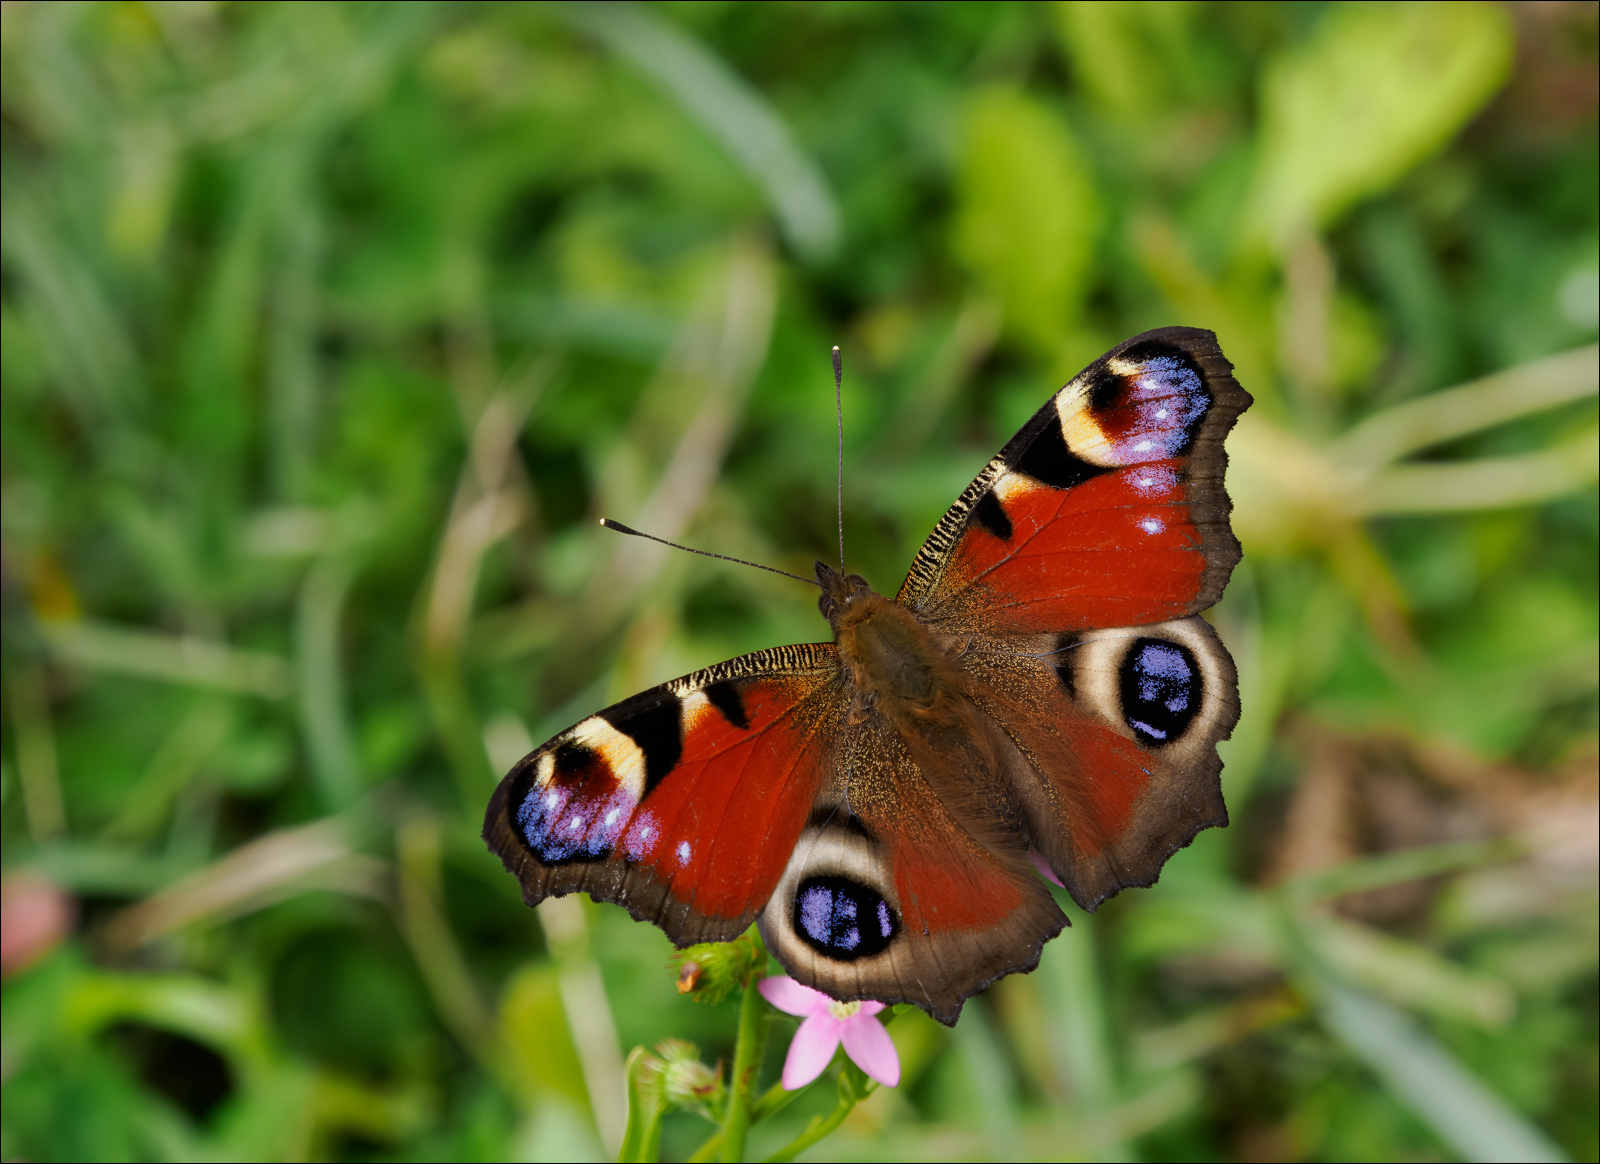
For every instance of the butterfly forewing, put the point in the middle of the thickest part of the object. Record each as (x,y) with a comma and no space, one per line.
(1107,508)
(682,803)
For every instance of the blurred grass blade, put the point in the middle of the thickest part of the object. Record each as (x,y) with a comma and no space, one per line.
(1110,58)
(265,871)
(323,717)
(423,920)
(489,503)
(1213,1029)
(714,363)
(302,531)
(223,1016)
(1396,868)
(1142,1113)
(37,770)
(1456,412)
(994,1090)
(91,355)
(379,1114)
(491,500)
(1472,1120)
(720,351)
(1071,978)
(96,869)
(1082,1134)
(548,1076)
(732,111)
(1411,975)
(972,336)
(731,353)
(175,763)
(594,1033)
(291,343)
(198,662)
(1487,483)
(557,1132)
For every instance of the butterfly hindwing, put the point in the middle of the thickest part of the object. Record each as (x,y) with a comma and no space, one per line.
(1106,509)
(682,803)
(1110,740)
(905,887)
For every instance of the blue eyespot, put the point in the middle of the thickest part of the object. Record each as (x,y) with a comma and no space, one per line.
(1161,690)
(843,919)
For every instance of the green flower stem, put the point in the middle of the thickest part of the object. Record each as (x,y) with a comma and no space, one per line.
(773,1100)
(853,1088)
(747,1055)
(708,1150)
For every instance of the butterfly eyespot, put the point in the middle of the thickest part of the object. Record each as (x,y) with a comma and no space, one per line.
(1162,690)
(1147,403)
(843,919)
(573,800)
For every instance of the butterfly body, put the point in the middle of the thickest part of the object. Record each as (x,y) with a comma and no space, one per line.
(1039,693)
(893,662)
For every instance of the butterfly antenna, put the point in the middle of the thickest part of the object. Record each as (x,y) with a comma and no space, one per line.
(631,532)
(838,412)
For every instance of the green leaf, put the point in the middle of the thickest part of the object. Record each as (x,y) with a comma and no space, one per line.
(1376,89)
(642,1139)
(537,1037)
(1028,213)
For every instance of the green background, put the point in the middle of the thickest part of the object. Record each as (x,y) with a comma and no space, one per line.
(329,331)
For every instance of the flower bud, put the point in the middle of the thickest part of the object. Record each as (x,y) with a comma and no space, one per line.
(710,971)
(687,1083)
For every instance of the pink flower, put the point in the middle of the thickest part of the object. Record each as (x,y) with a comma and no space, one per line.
(827,1024)
(1043,866)
(35,916)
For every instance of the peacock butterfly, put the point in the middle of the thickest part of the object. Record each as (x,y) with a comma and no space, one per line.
(1041,692)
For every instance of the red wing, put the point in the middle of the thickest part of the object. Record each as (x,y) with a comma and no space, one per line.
(1107,509)
(682,803)
(908,884)
(1108,740)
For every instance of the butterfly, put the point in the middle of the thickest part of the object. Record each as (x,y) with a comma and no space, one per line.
(1040,697)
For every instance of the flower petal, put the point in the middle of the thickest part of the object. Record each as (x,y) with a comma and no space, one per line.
(812,1050)
(1043,866)
(870,1046)
(790,997)
(870,1008)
